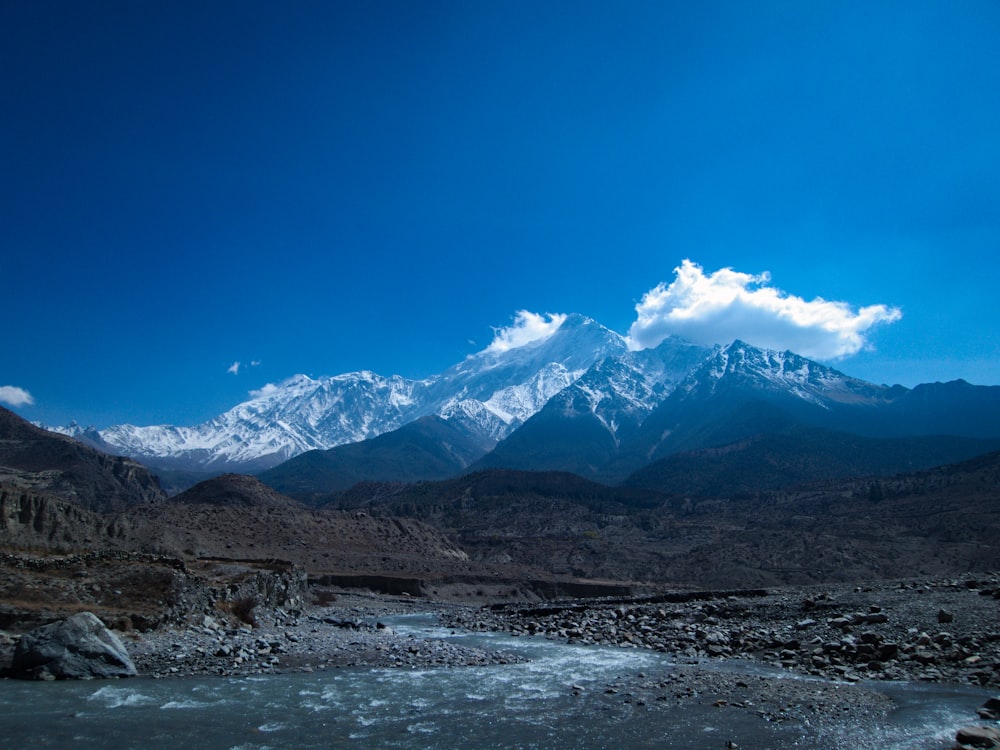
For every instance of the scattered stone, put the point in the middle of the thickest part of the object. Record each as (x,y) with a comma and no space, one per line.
(768,627)
(327,638)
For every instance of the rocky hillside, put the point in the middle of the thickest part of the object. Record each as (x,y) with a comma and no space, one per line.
(43,462)
(59,496)
(940,522)
(235,491)
(232,517)
(179,559)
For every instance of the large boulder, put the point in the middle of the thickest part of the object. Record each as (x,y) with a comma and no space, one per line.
(990,709)
(77,648)
(985,737)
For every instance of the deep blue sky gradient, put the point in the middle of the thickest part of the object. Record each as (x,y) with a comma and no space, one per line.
(331,186)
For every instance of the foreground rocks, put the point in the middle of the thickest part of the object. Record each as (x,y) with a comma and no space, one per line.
(940,631)
(79,647)
(255,642)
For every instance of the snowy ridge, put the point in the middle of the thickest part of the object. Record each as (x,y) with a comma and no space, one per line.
(581,369)
(621,391)
(475,416)
(770,370)
(281,421)
(518,402)
(491,392)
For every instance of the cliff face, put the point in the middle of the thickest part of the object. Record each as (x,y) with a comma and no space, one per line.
(136,590)
(33,521)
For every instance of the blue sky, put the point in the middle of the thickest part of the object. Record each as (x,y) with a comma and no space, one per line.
(322,187)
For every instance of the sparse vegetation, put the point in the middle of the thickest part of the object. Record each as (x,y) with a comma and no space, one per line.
(242,609)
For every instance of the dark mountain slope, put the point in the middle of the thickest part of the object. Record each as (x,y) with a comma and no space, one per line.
(429,448)
(742,392)
(46,463)
(549,521)
(952,408)
(776,461)
(564,436)
(941,521)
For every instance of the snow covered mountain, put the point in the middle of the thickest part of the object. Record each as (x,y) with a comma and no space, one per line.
(741,366)
(491,393)
(629,412)
(743,390)
(571,398)
(582,427)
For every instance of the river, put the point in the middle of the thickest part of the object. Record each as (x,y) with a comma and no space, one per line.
(558,699)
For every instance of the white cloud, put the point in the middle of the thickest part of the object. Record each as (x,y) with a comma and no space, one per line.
(269,389)
(255,363)
(14,396)
(234,368)
(726,305)
(527,327)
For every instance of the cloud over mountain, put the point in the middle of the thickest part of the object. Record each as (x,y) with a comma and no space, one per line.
(527,327)
(725,305)
(14,396)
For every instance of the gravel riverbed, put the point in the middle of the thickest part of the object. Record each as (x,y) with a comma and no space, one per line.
(933,631)
(348,635)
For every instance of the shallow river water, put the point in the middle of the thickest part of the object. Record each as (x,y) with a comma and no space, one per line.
(529,705)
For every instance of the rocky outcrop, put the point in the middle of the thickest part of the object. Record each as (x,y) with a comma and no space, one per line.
(77,648)
(278,586)
(136,591)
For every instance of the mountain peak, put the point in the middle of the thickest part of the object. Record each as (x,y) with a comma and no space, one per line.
(576,320)
(493,391)
(743,367)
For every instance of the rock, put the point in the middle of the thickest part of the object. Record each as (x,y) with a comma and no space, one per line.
(887,651)
(944,615)
(990,709)
(77,648)
(987,737)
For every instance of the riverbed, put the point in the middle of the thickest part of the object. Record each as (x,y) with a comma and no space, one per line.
(558,695)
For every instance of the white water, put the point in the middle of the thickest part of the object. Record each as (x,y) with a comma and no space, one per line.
(529,705)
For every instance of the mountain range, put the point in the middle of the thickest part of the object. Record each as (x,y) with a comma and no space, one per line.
(491,393)
(577,400)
